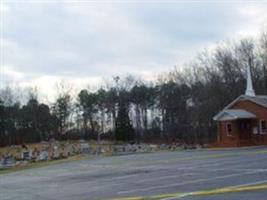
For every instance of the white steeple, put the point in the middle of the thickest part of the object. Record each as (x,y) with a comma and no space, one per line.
(249,90)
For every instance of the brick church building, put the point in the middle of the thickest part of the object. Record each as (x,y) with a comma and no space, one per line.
(244,121)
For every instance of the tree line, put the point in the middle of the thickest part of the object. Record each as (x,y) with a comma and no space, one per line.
(178,106)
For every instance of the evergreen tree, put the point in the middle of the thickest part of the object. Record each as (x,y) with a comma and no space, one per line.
(124,130)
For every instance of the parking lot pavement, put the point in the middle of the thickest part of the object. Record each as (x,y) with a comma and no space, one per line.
(152,174)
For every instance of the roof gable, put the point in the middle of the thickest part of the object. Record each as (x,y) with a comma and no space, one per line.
(259,100)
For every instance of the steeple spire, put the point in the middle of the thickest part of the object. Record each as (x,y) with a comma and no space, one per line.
(249,90)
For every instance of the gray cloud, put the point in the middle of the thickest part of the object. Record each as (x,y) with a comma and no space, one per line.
(95,39)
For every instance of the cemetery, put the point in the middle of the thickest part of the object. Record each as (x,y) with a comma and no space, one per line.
(22,156)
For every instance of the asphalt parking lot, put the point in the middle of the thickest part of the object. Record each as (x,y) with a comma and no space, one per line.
(191,175)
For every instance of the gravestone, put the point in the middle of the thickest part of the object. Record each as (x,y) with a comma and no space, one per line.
(26,155)
(153,147)
(8,161)
(43,156)
(75,148)
(67,151)
(35,154)
(55,152)
(84,148)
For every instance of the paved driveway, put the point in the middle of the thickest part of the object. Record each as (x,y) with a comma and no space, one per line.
(161,174)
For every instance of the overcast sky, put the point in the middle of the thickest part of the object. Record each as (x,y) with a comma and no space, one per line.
(82,42)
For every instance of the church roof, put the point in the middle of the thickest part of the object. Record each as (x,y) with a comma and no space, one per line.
(259,99)
(233,114)
(227,112)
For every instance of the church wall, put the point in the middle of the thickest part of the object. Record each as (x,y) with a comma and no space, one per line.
(256,139)
(226,139)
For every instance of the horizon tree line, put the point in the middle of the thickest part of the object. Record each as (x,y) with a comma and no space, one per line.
(179,106)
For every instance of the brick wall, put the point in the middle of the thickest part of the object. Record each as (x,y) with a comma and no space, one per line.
(233,139)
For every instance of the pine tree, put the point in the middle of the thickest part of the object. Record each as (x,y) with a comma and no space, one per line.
(124,130)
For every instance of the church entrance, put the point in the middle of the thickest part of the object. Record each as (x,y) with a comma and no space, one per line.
(245,131)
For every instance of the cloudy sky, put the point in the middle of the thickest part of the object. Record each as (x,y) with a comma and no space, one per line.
(82,42)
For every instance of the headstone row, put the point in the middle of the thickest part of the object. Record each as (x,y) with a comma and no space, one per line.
(46,151)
